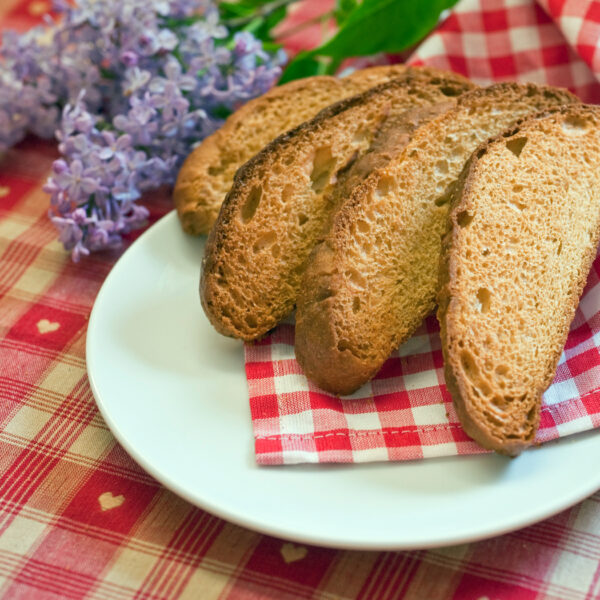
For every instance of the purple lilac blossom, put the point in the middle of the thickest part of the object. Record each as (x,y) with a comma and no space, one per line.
(128,88)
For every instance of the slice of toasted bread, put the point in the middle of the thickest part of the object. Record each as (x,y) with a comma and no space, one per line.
(524,226)
(370,283)
(207,174)
(282,199)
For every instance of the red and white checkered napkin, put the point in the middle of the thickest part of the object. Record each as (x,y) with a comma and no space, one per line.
(406,411)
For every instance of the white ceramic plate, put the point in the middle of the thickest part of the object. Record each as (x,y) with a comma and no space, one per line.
(174,393)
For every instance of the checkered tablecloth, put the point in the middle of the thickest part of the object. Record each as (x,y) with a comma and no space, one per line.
(79,519)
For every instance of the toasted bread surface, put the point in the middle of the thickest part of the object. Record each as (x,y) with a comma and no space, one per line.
(368,285)
(207,174)
(283,198)
(523,230)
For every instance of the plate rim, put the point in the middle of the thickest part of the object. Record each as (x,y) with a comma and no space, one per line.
(258,525)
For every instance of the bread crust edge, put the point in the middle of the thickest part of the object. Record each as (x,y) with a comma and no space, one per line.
(452,372)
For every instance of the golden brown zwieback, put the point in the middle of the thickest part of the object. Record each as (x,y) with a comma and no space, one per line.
(523,230)
(207,174)
(283,198)
(369,284)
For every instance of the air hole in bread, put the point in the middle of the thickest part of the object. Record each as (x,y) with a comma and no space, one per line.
(470,368)
(360,136)
(484,299)
(450,91)
(355,304)
(457,152)
(323,294)
(251,321)
(249,207)
(495,419)
(275,250)
(441,168)
(348,165)
(214,171)
(323,165)
(264,241)
(343,345)
(366,247)
(502,371)
(355,278)
(550,95)
(444,198)
(517,205)
(302,219)
(288,192)
(559,249)
(485,252)
(363,226)
(499,402)
(463,218)
(516,145)
(384,186)
(575,125)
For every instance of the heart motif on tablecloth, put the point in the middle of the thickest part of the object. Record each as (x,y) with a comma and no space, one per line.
(108,501)
(45,326)
(292,553)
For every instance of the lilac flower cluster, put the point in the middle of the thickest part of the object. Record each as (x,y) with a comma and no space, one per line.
(128,88)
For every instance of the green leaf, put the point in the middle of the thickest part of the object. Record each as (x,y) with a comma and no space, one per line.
(256,16)
(271,47)
(343,9)
(221,112)
(383,26)
(303,65)
(228,10)
(268,23)
(254,26)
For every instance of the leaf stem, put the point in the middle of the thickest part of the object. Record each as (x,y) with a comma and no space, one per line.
(264,11)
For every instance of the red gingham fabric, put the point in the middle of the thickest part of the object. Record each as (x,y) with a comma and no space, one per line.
(80,520)
(406,411)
